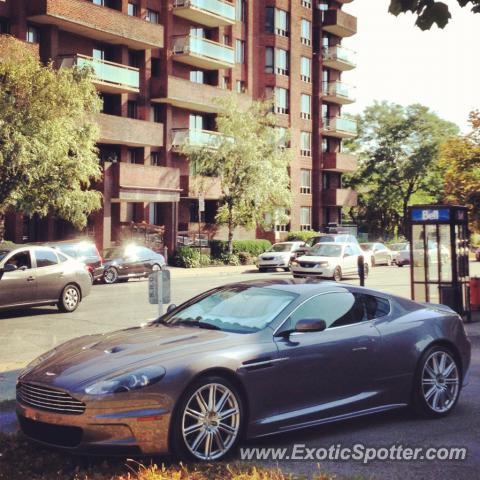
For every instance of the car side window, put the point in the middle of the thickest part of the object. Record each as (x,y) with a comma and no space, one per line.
(348,251)
(374,307)
(45,258)
(330,307)
(20,259)
(145,254)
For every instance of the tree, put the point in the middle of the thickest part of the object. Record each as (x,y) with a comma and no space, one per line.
(429,11)
(250,163)
(47,137)
(398,149)
(460,159)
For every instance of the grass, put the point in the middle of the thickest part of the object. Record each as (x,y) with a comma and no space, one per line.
(20,459)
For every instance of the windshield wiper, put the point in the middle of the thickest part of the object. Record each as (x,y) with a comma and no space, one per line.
(195,323)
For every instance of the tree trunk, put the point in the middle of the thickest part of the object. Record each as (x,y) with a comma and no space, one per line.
(230,230)
(2,226)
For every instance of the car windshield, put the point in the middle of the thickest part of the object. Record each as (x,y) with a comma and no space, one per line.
(78,250)
(366,246)
(398,247)
(281,247)
(239,309)
(4,253)
(326,250)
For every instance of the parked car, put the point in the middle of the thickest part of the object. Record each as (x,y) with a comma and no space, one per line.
(245,360)
(331,238)
(131,261)
(379,253)
(86,252)
(329,260)
(279,256)
(401,253)
(39,275)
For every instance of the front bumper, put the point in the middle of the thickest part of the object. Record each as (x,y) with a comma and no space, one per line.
(277,263)
(141,430)
(324,272)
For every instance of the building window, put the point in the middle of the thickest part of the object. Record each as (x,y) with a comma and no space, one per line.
(156,67)
(196,122)
(197,76)
(282,61)
(306,106)
(132,109)
(282,137)
(132,10)
(306,69)
(269,59)
(134,59)
(157,113)
(133,155)
(239,51)
(306,32)
(305,144)
(277,21)
(323,5)
(227,40)
(225,83)
(155,159)
(152,16)
(306,181)
(241,10)
(4,27)
(270,20)
(240,86)
(325,145)
(99,2)
(306,3)
(305,218)
(281,100)
(33,34)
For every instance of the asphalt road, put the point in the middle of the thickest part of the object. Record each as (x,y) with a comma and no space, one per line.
(27,333)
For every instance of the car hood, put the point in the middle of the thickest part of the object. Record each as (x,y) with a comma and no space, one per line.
(76,363)
(315,258)
(276,254)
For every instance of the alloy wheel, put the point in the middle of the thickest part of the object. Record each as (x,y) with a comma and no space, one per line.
(110,275)
(211,421)
(440,381)
(70,298)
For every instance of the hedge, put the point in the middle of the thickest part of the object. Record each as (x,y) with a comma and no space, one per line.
(188,257)
(252,247)
(301,236)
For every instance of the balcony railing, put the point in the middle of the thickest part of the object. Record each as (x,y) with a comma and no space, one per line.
(195,138)
(337,92)
(109,76)
(339,162)
(339,23)
(339,58)
(212,13)
(340,127)
(202,53)
(339,197)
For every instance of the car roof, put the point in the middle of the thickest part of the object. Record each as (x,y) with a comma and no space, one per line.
(306,285)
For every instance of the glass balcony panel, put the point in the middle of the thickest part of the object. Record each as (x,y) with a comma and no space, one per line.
(216,7)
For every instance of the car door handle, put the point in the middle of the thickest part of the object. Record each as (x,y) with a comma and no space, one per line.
(30,279)
(359,349)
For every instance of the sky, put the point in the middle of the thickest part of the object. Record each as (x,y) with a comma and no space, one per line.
(398,62)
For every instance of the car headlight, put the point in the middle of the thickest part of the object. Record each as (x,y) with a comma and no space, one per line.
(322,264)
(37,362)
(143,377)
(294,262)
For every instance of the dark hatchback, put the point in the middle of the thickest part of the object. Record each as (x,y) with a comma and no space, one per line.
(86,252)
(131,261)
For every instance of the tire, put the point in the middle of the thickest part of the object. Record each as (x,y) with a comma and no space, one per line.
(366,270)
(70,299)
(337,274)
(389,261)
(156,267)
(373,262)
(110,276)
(400,265)
(92,278)
(436,389)
(192,433)
(261,270)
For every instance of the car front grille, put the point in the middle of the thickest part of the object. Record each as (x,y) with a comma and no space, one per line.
(267,258)
(49,399)
(307,265)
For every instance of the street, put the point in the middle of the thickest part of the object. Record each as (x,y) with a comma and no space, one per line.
(27,333)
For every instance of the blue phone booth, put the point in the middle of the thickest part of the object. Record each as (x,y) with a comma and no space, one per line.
(439,256)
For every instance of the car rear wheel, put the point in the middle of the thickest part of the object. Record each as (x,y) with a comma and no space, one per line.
(261,270)
(373,261)
(337,274)
(208,422)
(437,383)
(110,275)
(70,299)
(92,278)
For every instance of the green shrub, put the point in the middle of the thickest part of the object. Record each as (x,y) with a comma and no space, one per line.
(301,236)
(230,259)
(253,247)
(188,257)
(246,258)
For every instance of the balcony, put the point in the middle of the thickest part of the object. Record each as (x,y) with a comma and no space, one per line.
(339,162)
(337,92)
(202,53)
(192,185)
(200,97)
(339,58)
(339,23)
(339,197)
(212,13)
(108,76)
(181,137)
(97,23)
(128,131)
(339,127)
(144,183)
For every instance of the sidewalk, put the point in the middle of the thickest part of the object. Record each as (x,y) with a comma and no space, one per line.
(222,270)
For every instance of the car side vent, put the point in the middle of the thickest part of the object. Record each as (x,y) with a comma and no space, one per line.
(258,363)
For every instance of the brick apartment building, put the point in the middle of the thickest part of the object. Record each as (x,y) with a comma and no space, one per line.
(159,64)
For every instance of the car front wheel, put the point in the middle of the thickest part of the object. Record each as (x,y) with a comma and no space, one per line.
(337,274)
(70,299)
(208,421)
(110,275)
(437,383)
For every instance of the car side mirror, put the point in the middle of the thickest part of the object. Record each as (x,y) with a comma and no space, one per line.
(345,255)
(310,325)
(171,308)
(9,267)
